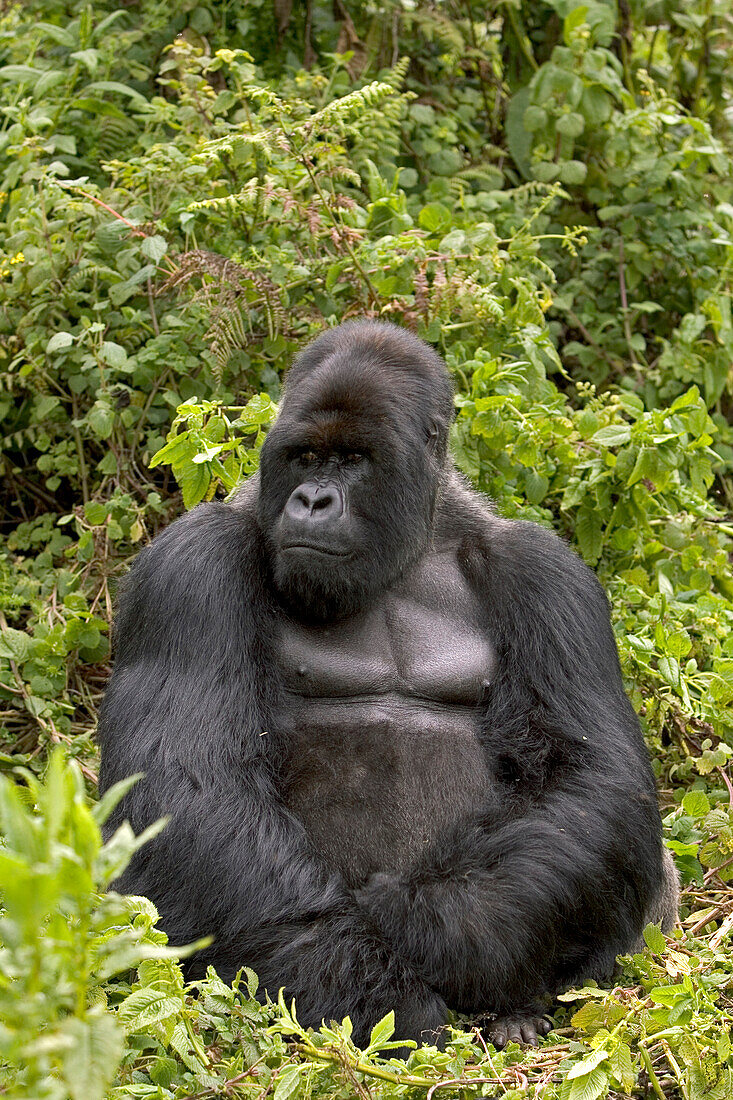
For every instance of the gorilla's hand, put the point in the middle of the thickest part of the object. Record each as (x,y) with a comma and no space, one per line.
(524,1029)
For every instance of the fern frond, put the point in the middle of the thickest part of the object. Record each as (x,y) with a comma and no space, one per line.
(349,106)
(398,73)
(230,299)
(264,142)
(86,273)
(242,200)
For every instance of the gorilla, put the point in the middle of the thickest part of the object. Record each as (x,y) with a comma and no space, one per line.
(387,727)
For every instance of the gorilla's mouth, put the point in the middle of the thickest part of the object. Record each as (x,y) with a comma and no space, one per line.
(314,548)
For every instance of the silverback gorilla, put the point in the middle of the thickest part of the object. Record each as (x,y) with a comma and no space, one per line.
(387,726)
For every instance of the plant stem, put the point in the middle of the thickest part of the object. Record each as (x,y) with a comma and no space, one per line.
(362,1067)
(357,264)
(653,1079)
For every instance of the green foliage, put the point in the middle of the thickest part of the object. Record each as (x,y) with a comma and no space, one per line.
(214,450)
(61,939)
(188,193)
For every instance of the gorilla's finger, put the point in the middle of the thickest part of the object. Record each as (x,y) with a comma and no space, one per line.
(514,1031)
(529,1033)
(498,1036)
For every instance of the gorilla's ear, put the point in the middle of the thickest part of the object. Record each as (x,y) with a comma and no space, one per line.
(437,438)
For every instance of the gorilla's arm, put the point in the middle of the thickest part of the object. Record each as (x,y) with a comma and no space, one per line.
(527,899)
(188,706)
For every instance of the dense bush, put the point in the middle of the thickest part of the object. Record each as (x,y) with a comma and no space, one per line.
(189,193)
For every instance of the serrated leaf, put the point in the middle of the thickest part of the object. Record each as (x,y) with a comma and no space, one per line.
(572,124)
(591,1086)
(668,994)
(535,486)
(147,1006)
(435,218)
(287,1082)
(669,669)
(654,939)
(589,533)
(95,513)
(90,1061)
(194,481)
(621,1066)
(573,172)
(696,804)
(154,248)
(590,1015)
(15,644)
(586,1064)
(175,452)
(259,410)
(101,419)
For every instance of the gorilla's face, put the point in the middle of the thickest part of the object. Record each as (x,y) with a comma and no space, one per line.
(349,474)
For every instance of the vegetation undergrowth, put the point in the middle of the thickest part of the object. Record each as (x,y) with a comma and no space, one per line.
(191,192)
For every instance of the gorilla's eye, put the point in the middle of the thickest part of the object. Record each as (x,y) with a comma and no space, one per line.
(354,457)
(305,458)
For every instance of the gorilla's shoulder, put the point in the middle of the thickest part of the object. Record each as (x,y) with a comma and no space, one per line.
(211,534)
(519,564)
(208,559)
(542,559)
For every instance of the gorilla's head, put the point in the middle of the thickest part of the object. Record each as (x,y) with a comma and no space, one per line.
(350,470)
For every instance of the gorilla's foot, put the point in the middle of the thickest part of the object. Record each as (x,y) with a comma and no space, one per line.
(517,1029)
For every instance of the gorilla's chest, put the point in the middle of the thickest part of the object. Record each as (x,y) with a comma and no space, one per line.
(381,714)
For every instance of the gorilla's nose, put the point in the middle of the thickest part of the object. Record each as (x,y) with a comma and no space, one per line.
(313,503)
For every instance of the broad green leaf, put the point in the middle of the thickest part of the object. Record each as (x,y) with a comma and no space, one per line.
(586,1064)
(288,1080)
(621,1066)
(669,669)
(696,804)
(654,939)
(535,486)
(114,355)
(121,89)
(614,435)
(589,533)
(435,218)
(668,994)
(147,1006)
(194,481)
(101,419)
(573,172)
(590,1086)
(15,644)
(519,140)
(59,340)
(176,451)
(20,74)
(154,248)
(95,513)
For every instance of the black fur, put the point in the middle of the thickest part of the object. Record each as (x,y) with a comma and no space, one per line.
(553,875)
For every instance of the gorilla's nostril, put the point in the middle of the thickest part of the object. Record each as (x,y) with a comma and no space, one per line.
(315,503)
